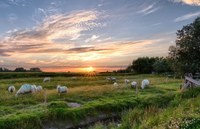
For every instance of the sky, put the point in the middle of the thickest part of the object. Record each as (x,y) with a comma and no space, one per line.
(68,35)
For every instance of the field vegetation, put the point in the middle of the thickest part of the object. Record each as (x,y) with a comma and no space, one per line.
(162,105)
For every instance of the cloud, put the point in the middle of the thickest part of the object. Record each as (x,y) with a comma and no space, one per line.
(120,52)
(94,37)
(70,25)
(188,2)
(148,9)
(87,49)
(156,24)
(187,16)
(45,36)
(60,26)
(17,2)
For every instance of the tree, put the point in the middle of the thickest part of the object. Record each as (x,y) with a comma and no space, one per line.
(144,64)
(129,69)
(20,69)
(186,52)
(35,70)
(161,66)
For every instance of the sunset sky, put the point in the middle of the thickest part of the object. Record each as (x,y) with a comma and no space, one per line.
(67,35)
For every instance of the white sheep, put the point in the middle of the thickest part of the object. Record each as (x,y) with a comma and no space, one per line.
(115,84)
(111,79)
(34,88)
(47,79)
(108,78)
(11,89)
(39,88)
(26,88)
(186,85)
(145,83)
(62,89)
(133,84)
(74,78)
(126,81)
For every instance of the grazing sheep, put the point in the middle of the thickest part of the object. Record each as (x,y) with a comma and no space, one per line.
(108,78)
(186,85)
(47,79)
(62,89)
(133,84)
(39,88)
(34,88)
(11,89)
(145,83)
(74,78)
(26,88)
(126,81)
(115,84)
(111,79)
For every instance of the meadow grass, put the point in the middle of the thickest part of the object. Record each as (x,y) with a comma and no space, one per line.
(96,96)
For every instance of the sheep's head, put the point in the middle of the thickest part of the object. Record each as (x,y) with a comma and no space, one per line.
(58,87)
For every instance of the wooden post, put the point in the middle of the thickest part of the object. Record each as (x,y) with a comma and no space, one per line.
(45,96)
(166,80)
(136,91)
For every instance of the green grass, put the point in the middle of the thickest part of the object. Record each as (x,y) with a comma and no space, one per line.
(96,96)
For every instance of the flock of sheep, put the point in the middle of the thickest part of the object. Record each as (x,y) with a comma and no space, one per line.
(28,88)
(145,82)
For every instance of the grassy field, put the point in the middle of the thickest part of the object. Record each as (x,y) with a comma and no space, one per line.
(162,105)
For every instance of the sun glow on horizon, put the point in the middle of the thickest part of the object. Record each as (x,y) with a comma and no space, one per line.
(89,69)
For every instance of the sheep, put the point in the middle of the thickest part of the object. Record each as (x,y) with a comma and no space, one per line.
(74,78)
(111,79)
(47,79)
(108,78)
(115,84)
(186,85)
(11,89)
(126,81)
(133,84)
(26,88)
(62,89)
(34,88)
(145,83)
(39,88)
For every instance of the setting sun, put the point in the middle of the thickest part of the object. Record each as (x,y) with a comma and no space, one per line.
(89,69)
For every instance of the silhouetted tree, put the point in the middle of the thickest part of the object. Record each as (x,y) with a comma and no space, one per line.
(6,70)
(144,64)
(20,70)
(35,70)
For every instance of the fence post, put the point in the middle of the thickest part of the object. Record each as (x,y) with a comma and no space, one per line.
(45,96)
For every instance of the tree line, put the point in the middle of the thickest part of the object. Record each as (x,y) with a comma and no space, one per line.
(20,69)
(183,57)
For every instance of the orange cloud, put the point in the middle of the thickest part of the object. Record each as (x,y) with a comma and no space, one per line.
(189,2)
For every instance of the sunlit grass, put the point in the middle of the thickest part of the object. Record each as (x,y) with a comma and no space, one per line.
(95,94)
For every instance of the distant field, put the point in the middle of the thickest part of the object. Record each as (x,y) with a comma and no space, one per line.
(96,95)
